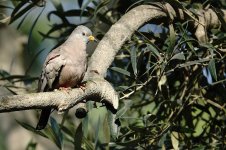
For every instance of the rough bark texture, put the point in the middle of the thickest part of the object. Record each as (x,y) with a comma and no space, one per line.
(98,90)
(103,56)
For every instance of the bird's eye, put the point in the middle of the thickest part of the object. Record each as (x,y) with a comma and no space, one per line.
(83,33)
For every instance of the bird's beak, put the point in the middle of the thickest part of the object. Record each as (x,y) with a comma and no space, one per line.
(91,38)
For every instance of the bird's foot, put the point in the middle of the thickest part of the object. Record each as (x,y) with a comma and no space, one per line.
(67,90)
(82,86)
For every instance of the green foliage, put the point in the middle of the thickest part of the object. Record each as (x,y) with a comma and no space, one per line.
(171,86)
(31,146)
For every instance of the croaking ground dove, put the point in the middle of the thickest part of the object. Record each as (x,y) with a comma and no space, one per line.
(64,66)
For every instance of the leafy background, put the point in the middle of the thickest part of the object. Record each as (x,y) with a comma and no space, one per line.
(171,86)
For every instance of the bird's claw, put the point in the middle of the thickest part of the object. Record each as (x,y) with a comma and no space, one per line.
(64,89)
(82,86)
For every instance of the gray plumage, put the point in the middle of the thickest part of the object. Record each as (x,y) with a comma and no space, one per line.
(64,66)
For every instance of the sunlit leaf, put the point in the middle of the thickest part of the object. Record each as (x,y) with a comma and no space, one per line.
(155,51)
(97,130)
(124,87)
(195,62)
(162,81)
(178,56)
(133,57)
(212,69)
(175,140)
(85,125)
(5,20)
(88,144)
(120,70)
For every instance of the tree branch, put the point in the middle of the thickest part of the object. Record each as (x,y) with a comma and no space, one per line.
(117,35)
(98,90)
(122,30)
(208,19)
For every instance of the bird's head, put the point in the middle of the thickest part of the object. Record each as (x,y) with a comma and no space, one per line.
(84,33)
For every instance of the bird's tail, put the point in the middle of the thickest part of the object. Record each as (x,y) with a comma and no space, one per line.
(43,120)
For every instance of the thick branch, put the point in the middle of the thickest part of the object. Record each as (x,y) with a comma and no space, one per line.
(97,90)
(208,19)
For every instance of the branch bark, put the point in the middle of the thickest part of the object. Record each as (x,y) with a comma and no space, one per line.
(97,88)
(208,19)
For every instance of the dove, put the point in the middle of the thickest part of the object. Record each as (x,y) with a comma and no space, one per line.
(64,67)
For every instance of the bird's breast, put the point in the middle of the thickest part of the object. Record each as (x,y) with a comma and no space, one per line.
(72,73)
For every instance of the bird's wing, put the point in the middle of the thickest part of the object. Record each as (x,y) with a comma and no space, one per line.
(51,69)
(50,72)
